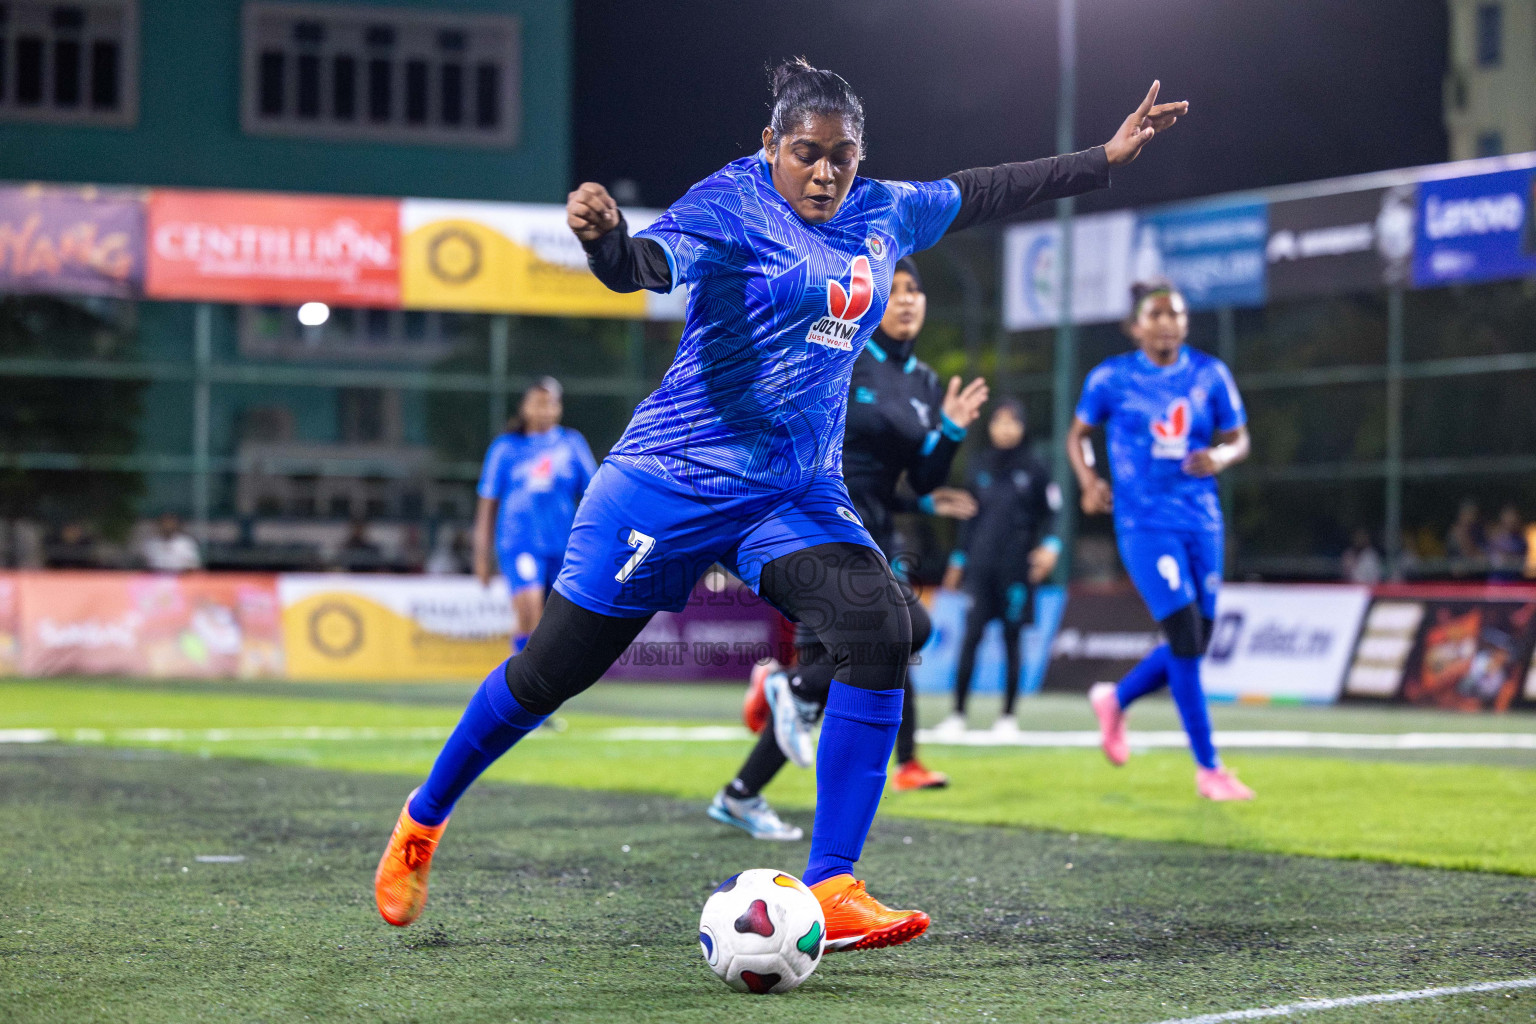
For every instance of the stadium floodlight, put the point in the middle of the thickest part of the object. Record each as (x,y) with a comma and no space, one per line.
(313,314)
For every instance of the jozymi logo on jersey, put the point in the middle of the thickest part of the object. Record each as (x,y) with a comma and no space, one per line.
(541,477)
(1170,435)
(844,307)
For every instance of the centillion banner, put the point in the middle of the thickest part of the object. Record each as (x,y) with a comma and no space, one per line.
(356,627)
(503,258)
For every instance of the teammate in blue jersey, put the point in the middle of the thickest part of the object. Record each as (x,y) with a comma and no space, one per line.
(736,458)
(1174,420)
(533,478)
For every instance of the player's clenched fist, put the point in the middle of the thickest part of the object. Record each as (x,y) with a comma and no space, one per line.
(590,211)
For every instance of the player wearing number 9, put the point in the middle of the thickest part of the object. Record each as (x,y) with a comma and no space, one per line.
(1174,419)
(736,458)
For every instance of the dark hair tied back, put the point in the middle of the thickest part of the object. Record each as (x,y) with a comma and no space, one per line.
(800,90)
(1143,290)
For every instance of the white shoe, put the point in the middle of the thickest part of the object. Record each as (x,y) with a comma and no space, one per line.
(952,728)
(754,817)
(794,720)
(1006,725)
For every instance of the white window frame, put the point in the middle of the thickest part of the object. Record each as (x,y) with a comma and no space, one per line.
(349,20)
(126,115)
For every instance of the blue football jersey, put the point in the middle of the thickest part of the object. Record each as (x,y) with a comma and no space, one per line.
(539,480)
(1153,417)
(778,310)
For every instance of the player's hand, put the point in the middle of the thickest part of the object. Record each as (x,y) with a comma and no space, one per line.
(963,405)
(1138,129)
(953,502)
(1042,562)
(952,577)
(591,212)
(1098,499)
(1203,462)
(483,571)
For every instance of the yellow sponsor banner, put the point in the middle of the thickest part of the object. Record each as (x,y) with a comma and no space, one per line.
(344,627)
(503,258)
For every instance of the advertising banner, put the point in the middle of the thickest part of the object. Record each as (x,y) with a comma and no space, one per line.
(1481,228)
(719,634)
(1104,632)
(77,241)
(350,627)
(10,625)
(510,258)
(1215,254)
(143,624)
(1101,268)
(1349,242)
(1283,642)
(270,247)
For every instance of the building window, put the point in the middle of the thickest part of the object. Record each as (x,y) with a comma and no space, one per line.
(69,63)
(1490,35)
(1490,144)
(382,74)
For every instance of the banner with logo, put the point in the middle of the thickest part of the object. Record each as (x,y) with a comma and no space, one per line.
(10,625)
(1105,631)
(352,627)
(79,241)
(1282,642)
(143,624)
(1459,650)
(270,247)
(510,258)
(1349,242)
(1481,228)
(1214,253)
(721,633)
(1101,271)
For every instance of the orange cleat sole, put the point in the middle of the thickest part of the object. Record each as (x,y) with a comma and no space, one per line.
(893,934)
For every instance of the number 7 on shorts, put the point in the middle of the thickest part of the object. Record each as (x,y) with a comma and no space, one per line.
(642,544)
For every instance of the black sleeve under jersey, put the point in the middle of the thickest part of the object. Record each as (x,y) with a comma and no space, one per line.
(628,264)
(993,193)
(929,467)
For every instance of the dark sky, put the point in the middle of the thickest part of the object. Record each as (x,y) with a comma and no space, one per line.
(1280,90)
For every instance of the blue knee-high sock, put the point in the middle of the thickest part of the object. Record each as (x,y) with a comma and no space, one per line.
(1184,684)
(1150,674)
(856,742)
(493,722)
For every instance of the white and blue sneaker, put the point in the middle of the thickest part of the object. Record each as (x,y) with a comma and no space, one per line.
(794,720)
(754,817)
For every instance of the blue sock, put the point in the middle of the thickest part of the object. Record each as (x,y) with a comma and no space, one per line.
(856,742)
(1150,673)
(1184,684)
(493,722)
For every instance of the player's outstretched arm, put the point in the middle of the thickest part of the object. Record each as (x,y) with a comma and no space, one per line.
(1097,498)
(622,263)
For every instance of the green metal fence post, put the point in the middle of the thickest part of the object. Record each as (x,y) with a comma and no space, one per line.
(501,345)
(1392,527)
(1065,369)
(202,425)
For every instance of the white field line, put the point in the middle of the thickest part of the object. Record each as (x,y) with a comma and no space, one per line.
(1253,739)
(1312,1005)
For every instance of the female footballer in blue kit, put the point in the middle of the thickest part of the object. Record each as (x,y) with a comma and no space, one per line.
(1174,419)
(736,458)
(533,479)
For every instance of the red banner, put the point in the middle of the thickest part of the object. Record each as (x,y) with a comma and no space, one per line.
(270,247)
(139,624)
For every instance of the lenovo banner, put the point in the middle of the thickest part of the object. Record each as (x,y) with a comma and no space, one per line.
(1481,228)
(80,241)
(1349,242)
(270,247)
(1276,642)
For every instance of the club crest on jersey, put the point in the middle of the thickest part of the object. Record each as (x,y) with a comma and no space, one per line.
(1170,435)
(876,246)
(844,307)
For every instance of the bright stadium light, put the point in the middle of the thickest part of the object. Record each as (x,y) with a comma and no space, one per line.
(313,314)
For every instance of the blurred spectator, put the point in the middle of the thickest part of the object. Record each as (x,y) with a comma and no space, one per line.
(71,548)
(1465,540)
(1362,562)
(1507,547)
(445,560)
(170,548)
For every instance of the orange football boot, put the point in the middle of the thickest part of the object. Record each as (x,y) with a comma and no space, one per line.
(755,710)
(912,775)
(856,920)
(400,883)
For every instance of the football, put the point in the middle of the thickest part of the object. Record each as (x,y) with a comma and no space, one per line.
(762,931)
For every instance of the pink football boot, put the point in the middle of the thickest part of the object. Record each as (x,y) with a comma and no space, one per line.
(1220,784)
(1106,705)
